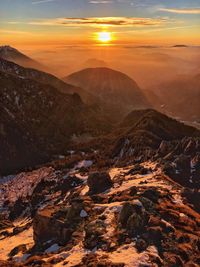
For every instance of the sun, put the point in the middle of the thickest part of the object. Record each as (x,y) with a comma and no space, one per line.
(104,37)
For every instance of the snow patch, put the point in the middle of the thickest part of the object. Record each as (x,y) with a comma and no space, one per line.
(52,249)
(83,214)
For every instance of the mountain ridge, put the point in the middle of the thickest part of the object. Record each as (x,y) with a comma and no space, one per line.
(12,54)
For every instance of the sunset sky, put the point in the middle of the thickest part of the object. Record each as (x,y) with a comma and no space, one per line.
(70,21)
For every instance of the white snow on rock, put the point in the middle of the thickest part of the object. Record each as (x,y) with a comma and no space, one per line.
(128,255)
(7,244)
(83,214)
(83,163)
(72,257)
(110,211)
(148,180)
(52,249)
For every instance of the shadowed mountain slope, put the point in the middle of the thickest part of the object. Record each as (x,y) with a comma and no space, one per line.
(38,121)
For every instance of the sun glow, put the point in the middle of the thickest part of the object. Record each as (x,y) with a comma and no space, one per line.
(104,37)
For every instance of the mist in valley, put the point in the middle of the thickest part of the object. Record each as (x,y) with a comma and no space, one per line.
(155,69)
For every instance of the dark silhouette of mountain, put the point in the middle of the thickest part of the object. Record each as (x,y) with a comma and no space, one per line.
(159,125)
(145,130)
(113,88)
(40,76)
(11,54)
(38,121)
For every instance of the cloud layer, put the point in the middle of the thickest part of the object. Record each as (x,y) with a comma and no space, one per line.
(104,21)
(181,11)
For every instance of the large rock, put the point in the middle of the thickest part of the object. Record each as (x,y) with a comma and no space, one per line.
(21,248)
(133,217)
(94,232)
(46,227)
(126,212)
(98,182)
(58,223)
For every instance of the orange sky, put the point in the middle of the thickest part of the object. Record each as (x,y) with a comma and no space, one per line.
(59,22)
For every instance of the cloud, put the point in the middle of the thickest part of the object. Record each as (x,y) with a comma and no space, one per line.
(100,2)
(181,11)
(42,1)
(102,21)
(2,31)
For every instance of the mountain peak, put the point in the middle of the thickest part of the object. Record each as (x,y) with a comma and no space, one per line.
(7,48)
(116,89)
(12,54)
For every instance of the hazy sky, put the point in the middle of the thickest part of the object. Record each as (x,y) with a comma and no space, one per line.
(71,21)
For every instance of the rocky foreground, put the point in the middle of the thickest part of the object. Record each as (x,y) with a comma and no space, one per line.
(133,215)
(130,198)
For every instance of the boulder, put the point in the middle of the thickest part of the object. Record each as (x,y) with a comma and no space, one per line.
(126,212)
(133,217)
(98,182)
(58,223)
(46,227)
(94,232)
(21,248)
(135,224)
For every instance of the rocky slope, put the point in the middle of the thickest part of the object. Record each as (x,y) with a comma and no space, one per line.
(95,208)
(11,54)
(149,135)
(138,216)
(114,89)
(37,121)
